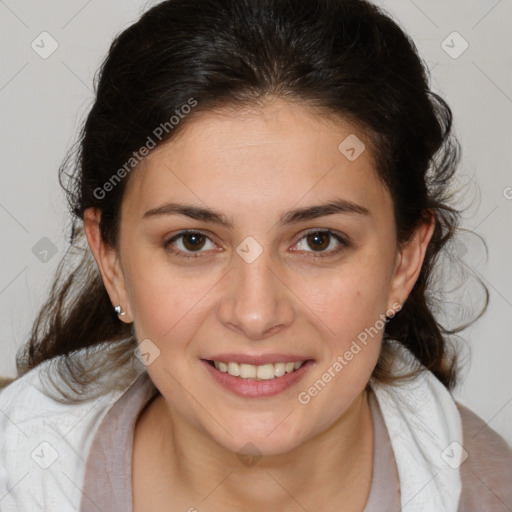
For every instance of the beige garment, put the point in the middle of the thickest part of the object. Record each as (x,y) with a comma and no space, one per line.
(486,474)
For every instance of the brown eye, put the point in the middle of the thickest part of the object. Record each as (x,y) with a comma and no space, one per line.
(187,243)
(193,241)
(320,241)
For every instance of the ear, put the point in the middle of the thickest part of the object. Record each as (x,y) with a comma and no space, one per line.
(409,262)
(108,263)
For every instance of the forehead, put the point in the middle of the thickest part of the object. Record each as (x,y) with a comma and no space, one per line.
(266,157)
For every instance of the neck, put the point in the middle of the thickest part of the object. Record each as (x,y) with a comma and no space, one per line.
(333,467)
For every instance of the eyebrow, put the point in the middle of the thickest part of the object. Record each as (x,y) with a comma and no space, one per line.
(295,216)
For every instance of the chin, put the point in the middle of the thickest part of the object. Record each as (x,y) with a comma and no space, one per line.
(264,441)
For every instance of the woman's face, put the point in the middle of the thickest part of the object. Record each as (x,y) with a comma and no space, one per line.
(260,287)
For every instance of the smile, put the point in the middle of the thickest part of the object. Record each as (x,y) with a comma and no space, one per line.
(257,381)
(260,372)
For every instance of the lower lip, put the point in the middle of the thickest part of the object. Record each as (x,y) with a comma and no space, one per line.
(252,388)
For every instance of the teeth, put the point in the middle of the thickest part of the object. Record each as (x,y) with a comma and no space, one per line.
(265,372)
(247,371)
(290,367)
(261,372)
(234,369)
(279,369)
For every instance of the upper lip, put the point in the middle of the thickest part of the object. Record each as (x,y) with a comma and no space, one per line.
(257,360)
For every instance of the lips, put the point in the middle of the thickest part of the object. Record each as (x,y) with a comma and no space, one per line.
(242,380)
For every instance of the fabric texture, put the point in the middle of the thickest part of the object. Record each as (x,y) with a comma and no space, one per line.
(44,445)
(425,429)
(57,457)
(107,484)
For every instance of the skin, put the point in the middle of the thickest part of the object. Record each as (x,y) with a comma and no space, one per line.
(252,166)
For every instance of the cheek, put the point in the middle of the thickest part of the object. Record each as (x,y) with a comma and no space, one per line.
(349,300)
(351,305)
(354,316)
(167,314)
(164,302)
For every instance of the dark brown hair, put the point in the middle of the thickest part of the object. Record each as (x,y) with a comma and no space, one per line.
(345,56)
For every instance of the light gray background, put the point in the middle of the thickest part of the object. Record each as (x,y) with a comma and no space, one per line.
(43,102)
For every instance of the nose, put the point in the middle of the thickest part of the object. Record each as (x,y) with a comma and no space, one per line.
(256,302)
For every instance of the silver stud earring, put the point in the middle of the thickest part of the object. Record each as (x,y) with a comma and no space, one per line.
(119,311)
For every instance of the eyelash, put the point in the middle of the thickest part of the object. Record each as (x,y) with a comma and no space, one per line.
(178,252)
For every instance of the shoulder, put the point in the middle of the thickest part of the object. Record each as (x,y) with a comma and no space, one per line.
(486,474)
(27,407)
(44,443)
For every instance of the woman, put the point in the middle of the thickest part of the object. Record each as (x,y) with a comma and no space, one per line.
(263,187)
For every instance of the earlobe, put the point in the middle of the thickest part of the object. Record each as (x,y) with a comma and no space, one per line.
(108,263)
(410,261)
